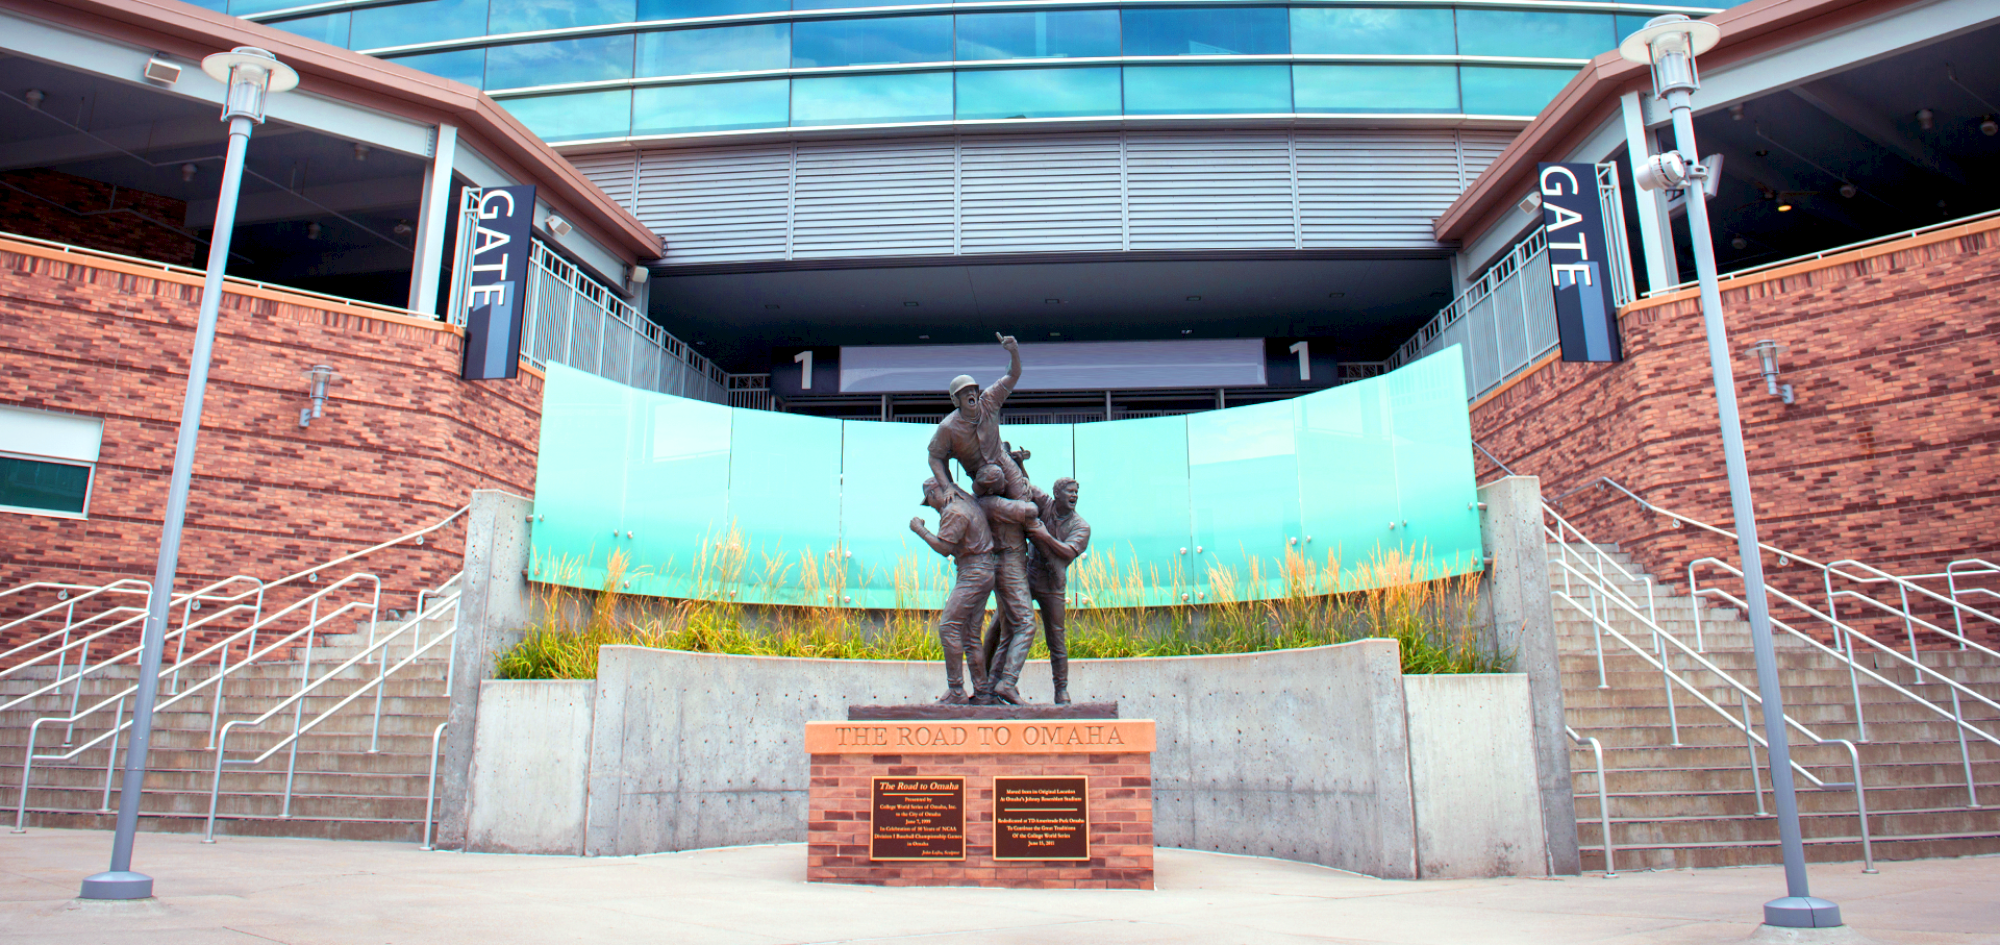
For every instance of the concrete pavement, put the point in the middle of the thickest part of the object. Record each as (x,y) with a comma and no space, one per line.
(262,890)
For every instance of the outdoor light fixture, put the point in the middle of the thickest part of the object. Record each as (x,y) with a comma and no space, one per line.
(637,275)
(360,152)
(188,171)
(558,225)
(34,98)
(161,71)
(1848,190)
(1989,127)
(1531,203)
(313,230)
(1784,206)
(402,228)
(1670,44)
(250,75)
(1735,113)
(1767,360)
(1926,119)
(318,377)
(1739,243)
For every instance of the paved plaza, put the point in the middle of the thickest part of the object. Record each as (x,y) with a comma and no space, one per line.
(258,890)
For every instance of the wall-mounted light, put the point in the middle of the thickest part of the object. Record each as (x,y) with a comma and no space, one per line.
(558,225)
(361,152)
(1531,203)
(188,172)
(312,230)
(1767,362)
(34,98)
(1739,243)
(1989,127)
(637,274)
(1848,190)
(161,71)
(402,228)
(1926,119)
(318,376)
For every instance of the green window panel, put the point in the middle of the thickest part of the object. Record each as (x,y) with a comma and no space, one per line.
(579,508)
(1243,496)
(1207,90)
(44,486)
(1133,476)
(714,106)
(1375,88)
(1433,440)
(1348,495)
(868,99)
(784,502)
(1534,33)
(579,115)
(1037,93)
(677,509)
(883,467)
(758,46)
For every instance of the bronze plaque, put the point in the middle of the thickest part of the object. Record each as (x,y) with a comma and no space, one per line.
(917,819)
(1041,818)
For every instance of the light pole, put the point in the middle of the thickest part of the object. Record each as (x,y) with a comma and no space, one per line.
(1669,44)
(250,74)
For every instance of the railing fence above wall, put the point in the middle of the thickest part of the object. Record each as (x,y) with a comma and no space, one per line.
(1506,318)
(573,319)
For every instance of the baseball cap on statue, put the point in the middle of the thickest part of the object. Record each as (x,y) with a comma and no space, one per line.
(962,382)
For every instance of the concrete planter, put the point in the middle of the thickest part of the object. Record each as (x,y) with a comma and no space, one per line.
(1327,755)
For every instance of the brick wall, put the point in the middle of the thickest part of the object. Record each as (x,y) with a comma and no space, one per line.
(1891,454)
(402,444)
(1121,821)
(51,205)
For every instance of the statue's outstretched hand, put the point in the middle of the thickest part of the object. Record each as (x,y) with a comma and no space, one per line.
(1007,341)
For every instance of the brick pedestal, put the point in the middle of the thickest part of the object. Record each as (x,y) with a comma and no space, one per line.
(1115,755)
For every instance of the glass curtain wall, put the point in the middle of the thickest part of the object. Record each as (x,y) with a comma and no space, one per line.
(570,73)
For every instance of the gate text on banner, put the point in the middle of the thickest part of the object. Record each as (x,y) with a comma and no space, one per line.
(495,304)
(1579,263)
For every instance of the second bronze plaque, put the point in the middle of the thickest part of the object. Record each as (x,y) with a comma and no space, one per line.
(1041,818)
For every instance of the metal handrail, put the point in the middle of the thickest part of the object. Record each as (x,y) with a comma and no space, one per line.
(1744,693)
(121,723)
(144,587)
(297,699)
(430,792)
(1603,801)
(1601,559)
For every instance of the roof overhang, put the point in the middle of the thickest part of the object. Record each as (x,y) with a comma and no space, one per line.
(1591,98)
(183,30)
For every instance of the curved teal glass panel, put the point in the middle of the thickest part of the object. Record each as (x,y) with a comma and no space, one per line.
(576,115)
(1208,90)
(721,106)
(1037,93)
(1247,503)
(1381,31)
(331,28)
(686,9)
(1205,31)
(591,59)
(410,23)
(520,16)
(868,99)
(459,65)
(1488,32)
(1042,35)
(872,42)
(1375,88)
(1510,90)
(751,48)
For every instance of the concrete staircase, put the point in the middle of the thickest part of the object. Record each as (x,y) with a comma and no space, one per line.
(340,789)
(1695,804)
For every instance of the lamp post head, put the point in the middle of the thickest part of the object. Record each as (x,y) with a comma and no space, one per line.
(1669,44)
(250,75)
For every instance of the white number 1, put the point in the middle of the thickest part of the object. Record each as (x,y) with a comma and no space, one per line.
(1305,363)
(806,376)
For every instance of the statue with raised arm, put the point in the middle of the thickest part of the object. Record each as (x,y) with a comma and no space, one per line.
(963,536)
(971,432)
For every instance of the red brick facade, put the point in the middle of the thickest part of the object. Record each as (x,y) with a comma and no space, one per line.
(1121,821)
(1891,454)
(402,444)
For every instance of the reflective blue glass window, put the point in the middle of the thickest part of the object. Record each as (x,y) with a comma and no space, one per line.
(459,65)
(515,16)
(1406,31)
(1205,31)
(841,4)
(591,59)
(1526,33)
(1037,93)
(1500,90)
(872,41)
(721,49)
(867,99)
(682,9)
(1207,90)
(1375,88)
(247,7)
(605,114)
(429,22)
(719,106)
(1046,35)
(330,29)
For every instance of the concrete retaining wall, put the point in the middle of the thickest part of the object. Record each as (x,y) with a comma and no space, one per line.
(1472,774)
(1298,754)
(530,766)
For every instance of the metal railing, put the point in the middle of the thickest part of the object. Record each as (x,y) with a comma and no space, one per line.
(752,392)
(574,320)
(296,703)
(1603,802)
(1505,320)
(1603,599)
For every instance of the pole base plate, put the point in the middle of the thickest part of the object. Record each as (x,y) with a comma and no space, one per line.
(1801,912)
(118,885)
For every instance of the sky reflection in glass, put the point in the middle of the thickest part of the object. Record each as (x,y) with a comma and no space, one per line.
(1037,93)
(1403,31)
(1205,31)
(871,99)
(605,114)
(1375,88)
(591,59)
(751,48)
(1053,34)
(878,41)
(720,106)
(1207,90)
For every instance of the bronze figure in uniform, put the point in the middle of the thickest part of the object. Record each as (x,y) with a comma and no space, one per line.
(971,432)
(962,535)
(1011,521)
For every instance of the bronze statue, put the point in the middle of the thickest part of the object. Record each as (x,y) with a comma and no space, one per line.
(1011,520)
(1059,537)
(962,535)
(971,432)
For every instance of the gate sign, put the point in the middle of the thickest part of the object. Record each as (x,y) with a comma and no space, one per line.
(1579,263)
(495,305)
